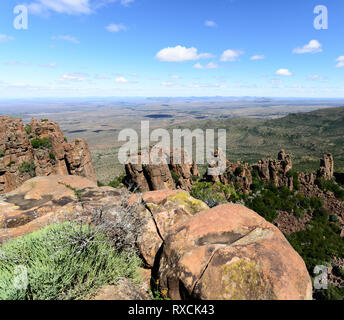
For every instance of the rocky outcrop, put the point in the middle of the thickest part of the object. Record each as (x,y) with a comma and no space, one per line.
(240,175)
(275,171)
(326,170)
(170,174)
(39,149)
(237,174)
(231,253)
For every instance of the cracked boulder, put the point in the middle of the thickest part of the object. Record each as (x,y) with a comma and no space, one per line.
(163,210)
(231,253)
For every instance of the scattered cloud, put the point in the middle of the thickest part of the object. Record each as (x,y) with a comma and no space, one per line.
(314,46)
(47,65)
(210,23)
(116,27)
(126,2)
(168,84)
(283,73)
(5,38)
(121,80)
(258,57)
(66,38)
(18,63)
(175,77)
(71,7)
(340,61)
(74,77)
(210,65)
(317,77)
(231,55)
(180,54)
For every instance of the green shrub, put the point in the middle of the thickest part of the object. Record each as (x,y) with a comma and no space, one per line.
(116,183)
(176,177)
(52,156)
(213,194)
(43,143)
(63,261)
(28,167)
(332,293)
(330,185)
(44,120)
(333,218)
(2,153)
(320,242)
(28,129)
(10,164)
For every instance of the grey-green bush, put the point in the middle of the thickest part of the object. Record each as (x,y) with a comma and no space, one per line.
(64,261)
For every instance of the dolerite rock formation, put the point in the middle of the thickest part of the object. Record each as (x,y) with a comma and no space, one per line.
(326,170)
(21,160)
(268,170)
(275,171)
(172,174)
(238,174)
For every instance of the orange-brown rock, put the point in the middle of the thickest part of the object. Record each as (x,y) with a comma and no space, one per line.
(164,209)
(20,160)
(231,253)
(275,171)
(171,174)
(326,170)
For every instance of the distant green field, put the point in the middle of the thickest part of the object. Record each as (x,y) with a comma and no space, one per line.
(305,136)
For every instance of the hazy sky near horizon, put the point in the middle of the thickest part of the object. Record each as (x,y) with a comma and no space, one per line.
(80,48)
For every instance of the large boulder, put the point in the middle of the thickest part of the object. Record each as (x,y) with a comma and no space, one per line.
(161,211)
(21,158)
(231,253)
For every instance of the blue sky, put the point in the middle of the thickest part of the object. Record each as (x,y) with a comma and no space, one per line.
(80,48)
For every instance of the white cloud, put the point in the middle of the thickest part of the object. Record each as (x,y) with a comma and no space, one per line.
(340,61)
(48,65)
(317,77)
(66,38)
(210,23)
(18,63)
(210,65)
(231,55)
(314,46)
(71,7)
(283,72)
(121,80)
(180,54)
(74,77)
(5,38)
(257,57)
(116,27)
(168,84)
(175,77)
(126,2)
